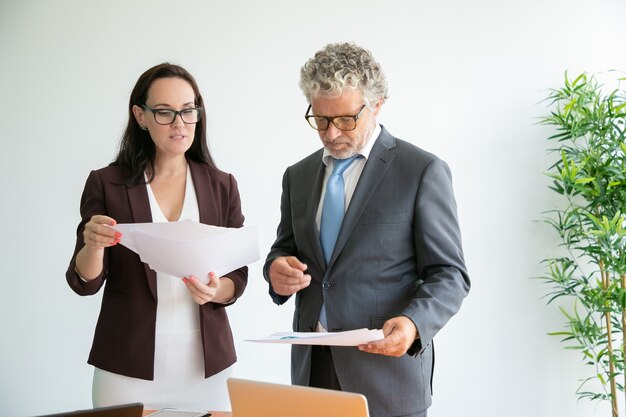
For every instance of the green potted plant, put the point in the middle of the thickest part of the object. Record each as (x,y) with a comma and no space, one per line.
(588,276)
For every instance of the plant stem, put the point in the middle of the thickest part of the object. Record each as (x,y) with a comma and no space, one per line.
(609,335)
(607,316)
(623,285)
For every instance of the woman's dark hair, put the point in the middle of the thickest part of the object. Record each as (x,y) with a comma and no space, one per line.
(137,150)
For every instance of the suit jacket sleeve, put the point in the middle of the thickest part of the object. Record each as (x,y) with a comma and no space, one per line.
(235,219)
(285,244)
(91,203)
(440,263)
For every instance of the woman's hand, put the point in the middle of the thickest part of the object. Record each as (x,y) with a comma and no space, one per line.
(217,290)
(98,234)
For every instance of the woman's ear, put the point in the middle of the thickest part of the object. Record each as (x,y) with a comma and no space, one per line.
(138,112)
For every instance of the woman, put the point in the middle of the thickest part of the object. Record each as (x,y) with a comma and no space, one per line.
(161,340)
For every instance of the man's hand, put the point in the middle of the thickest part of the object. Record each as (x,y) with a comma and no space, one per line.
(400,333)
(287,275)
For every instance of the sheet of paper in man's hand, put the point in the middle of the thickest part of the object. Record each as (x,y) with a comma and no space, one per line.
(347,338)
(188,248)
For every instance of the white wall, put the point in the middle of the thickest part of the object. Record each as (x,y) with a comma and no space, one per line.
(466,79)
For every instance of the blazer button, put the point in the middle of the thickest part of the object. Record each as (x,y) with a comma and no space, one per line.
(326,285)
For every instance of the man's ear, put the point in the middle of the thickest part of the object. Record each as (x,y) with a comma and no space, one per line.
(378,105)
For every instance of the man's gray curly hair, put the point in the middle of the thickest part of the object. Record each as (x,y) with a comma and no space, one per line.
(339,65)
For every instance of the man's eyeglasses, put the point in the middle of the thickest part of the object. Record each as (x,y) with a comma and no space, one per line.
(167,116)
(344,123)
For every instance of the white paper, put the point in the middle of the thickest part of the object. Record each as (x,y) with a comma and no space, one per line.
(188,248)
(347,338)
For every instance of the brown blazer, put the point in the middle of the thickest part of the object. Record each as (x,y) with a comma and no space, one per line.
(125,333)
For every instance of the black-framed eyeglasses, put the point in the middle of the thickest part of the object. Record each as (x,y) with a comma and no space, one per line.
(344,123)
(167,116)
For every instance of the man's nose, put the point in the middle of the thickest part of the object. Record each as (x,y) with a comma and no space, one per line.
(332,132)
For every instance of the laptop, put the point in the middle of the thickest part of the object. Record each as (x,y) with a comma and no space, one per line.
(264,399)
(124,410)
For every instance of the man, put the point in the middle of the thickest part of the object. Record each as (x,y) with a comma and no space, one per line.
(368,237)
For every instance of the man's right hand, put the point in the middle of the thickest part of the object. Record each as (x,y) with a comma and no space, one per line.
(287,275)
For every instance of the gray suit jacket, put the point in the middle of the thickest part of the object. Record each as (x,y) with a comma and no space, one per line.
(398,253)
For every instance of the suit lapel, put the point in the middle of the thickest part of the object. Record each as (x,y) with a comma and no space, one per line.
(204,193)
(377,164)
(140,208)
(311,210)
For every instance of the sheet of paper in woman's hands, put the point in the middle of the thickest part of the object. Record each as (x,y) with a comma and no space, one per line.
(187,247)
(347,338)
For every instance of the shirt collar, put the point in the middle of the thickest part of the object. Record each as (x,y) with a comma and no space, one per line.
(365,152)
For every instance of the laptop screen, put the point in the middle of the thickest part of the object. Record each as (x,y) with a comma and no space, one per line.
(264,399)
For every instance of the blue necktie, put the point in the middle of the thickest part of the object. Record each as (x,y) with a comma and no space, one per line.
(332,213)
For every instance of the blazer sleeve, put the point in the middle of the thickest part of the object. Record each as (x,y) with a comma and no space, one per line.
(285,244)
(91,203)
(439,253)
(235,219)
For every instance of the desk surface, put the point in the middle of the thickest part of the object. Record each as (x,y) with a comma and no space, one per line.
(146,413)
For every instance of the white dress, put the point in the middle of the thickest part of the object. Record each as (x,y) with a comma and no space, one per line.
(178,359)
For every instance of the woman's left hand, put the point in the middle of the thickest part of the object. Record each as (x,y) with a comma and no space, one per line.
(200,292)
